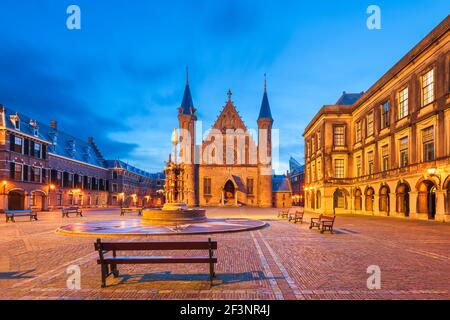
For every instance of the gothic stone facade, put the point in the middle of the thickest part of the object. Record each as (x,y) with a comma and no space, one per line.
(228,168)
(387,152)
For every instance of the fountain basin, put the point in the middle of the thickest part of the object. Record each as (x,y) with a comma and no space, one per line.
(172,215)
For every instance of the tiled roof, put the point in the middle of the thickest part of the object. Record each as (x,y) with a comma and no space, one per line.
(295,166)
(63,144)
(280,183)
(348,99)
(119,164)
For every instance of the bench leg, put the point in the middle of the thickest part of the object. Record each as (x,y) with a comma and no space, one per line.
(114,270)
(211,273)
(104,269)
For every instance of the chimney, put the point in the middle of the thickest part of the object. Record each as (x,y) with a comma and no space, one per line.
(54,125)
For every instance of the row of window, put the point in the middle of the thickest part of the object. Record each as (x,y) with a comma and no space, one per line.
(427,94)
(427,148)
(27,147)
(25,173)
(427,97)
(428,154)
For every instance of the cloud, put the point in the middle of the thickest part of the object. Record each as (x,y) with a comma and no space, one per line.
(35,83)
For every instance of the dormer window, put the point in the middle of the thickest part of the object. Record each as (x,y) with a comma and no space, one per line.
(72,148)
(34,127)
(15,121)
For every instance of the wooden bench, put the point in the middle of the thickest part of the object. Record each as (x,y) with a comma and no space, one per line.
(125,210)
(297,216)
(109,263)
(323,223)
(11,214)
(283,214)
(66,211)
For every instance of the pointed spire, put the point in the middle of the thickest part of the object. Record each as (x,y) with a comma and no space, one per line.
(264,112)
(187,105)
(187,75)
(265,83)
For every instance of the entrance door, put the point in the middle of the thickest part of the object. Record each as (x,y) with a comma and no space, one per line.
(432,203)
(229,192)
(16,200)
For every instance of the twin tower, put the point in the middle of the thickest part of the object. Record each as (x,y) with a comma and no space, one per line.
(228,168)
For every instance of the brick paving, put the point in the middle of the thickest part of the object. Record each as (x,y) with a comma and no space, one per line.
(281,261)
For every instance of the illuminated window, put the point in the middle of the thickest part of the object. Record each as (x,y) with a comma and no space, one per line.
(339,168)
(404,155)
(339,136)
(18,172)
(370,124)
(385,157)
(358,166)
(428,87)
(370,166)
(250,186)
(207,186)
(384,115)
(18,144)
(428,144)
(403,103)
(37,150)
(36,175)
(358,131)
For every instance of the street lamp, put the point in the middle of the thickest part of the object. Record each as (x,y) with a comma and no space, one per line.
(431,171)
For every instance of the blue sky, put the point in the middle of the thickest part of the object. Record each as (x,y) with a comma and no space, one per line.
(121,77)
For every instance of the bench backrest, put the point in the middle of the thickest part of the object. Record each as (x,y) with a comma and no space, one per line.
(156,245)
(18,211)
(327,218)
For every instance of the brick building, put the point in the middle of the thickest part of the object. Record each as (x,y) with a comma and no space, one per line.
(297,178)
(43,167)
(387,151)
(281,191)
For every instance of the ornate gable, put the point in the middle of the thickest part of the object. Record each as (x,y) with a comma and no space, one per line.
(229,118)
(214,150)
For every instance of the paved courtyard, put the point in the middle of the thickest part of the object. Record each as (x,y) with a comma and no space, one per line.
(281,261)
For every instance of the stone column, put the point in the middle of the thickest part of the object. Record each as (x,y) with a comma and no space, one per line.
(376,205)
(413,204)
(393,205)
(223,198)
(27,205)
(440,205)
(235,198)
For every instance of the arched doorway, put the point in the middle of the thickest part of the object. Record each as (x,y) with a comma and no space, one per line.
(402,197)
(38,200)
(369,195)
(426,198)
(229,192)
(339,200)
(16,200)
(318,199)
(384,199)
(358,200)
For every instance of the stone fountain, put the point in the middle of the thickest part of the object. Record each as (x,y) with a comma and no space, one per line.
(175,210)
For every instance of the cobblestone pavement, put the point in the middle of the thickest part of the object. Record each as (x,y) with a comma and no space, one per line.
(281,261)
